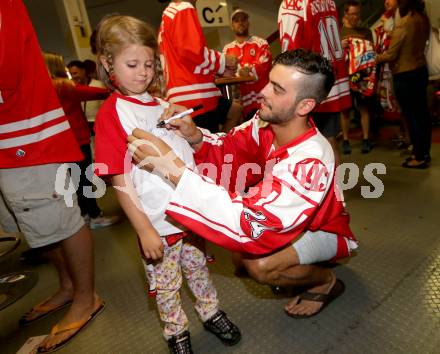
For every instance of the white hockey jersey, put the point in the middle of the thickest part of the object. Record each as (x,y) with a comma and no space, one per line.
(289,190)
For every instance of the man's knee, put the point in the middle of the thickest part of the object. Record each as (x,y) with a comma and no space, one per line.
(261,270)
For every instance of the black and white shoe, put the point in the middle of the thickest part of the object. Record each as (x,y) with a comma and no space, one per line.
(180,344)
(223,328)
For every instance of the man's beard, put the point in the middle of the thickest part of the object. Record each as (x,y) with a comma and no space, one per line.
(274,118)
(270,118)
(242,33)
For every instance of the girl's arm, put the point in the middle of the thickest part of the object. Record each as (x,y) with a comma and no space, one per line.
(150,240)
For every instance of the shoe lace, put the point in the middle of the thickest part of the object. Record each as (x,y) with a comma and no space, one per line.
(222,323)
(181,345)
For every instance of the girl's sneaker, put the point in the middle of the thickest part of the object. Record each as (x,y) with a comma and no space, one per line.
(223,328)
(180,344)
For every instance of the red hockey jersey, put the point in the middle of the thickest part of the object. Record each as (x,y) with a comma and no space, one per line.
(289,190)
(255,54)
(189,65)
(33,127)
(313,24)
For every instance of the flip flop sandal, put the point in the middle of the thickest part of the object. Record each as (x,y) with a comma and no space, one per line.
(325,299)
(44,310)
(79,326)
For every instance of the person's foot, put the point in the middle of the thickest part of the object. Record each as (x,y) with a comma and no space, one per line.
(302,307)
(78,313)
(366,146)
(56,302)
(346,148)
(223,328)
(102,221)
(416,164)
(180,344)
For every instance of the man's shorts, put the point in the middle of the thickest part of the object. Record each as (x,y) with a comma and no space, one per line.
(28,194)
(213,119)
(318,246)
(327,123)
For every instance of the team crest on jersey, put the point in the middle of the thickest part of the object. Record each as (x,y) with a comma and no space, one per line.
(252,52)
(295,5)
(253,219)
(311,174)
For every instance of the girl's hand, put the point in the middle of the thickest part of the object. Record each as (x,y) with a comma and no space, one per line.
(151,244)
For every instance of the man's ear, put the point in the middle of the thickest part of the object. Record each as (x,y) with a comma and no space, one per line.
(104,61)
(305,106)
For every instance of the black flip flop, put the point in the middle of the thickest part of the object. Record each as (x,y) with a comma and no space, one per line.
(325,299)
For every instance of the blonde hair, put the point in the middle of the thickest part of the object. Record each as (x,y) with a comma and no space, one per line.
(113,33)
(55,65)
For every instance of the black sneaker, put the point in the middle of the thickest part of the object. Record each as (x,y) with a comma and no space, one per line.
(180,344)
(366,146)
(223,328)
(346,148)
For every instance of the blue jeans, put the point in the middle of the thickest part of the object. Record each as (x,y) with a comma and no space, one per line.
(410,90)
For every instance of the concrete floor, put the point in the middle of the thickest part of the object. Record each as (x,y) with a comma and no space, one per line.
(391,304)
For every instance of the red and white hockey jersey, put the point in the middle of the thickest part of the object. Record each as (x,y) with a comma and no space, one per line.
(255,54)
(189,65)
(33,127)
(290,190)
(118,116)
(313,24)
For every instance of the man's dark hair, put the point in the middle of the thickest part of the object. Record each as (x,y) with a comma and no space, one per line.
(319,72)
(77,63)
(351,3)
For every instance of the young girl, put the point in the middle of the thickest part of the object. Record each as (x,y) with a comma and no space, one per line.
(129,64)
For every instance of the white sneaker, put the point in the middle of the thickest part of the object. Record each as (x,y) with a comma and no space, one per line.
(102,221)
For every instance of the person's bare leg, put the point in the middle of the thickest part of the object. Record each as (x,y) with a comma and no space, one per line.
(283,269)
(345,124)
(77,253)
(365,122)
(65,291)
(234,117)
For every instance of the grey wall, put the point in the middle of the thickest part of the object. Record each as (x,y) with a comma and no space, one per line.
(48,25)
(149,11)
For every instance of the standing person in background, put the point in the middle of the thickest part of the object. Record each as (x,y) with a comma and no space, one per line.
(190,68)
(406,55)
(254,58)
(314,25)
(353,35)
(35,141)
(382,37)
(71,95)
(81,75)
